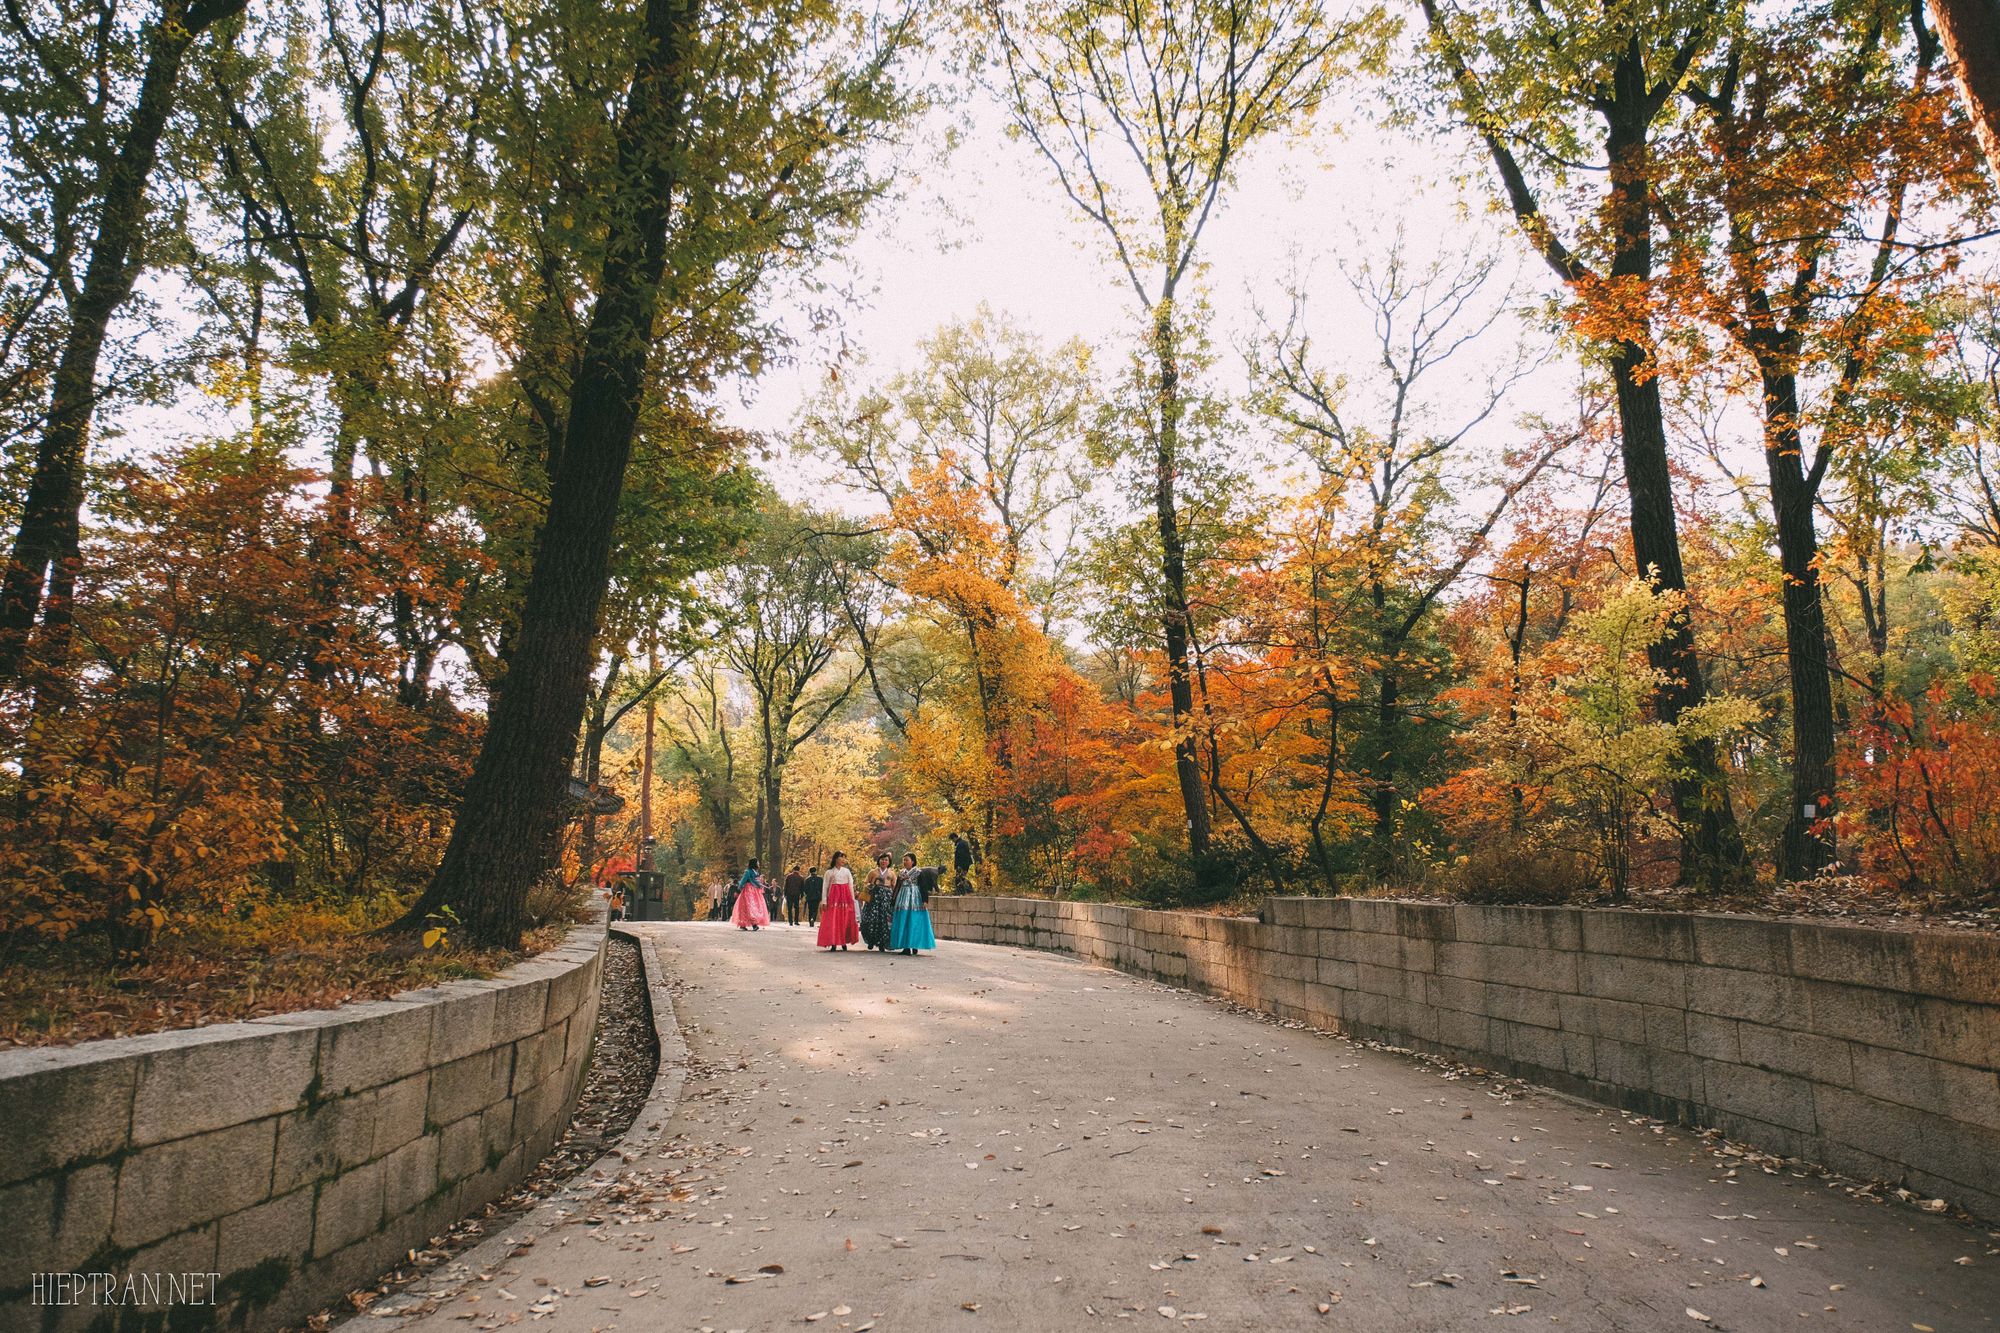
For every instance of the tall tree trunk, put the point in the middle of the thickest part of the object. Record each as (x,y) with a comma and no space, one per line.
(594,732)
(511,817)
(1173,581)
(1711,846)
(1517,640)
(1970,32)
(1381,760)
(1382,769)
(1802,852)
(50,515)
(774,820)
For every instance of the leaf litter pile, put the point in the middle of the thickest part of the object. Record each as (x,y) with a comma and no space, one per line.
(54,995)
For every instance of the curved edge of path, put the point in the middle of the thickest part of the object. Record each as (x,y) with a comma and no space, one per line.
(649,1127)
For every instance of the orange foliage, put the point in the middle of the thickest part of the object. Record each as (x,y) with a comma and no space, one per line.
(1925,802)
(209,735)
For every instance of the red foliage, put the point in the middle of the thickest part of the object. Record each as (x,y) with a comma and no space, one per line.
(1924,807)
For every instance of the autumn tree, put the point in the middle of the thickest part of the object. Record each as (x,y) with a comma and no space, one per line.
(702,720)
(84,130)
(1557,563)
(834,794)
(1569,89)
(1391,434)
(1798,220)
(788,587)
(756,159)
(1005,415)
(978,455)
(1144,110)
(1586,739)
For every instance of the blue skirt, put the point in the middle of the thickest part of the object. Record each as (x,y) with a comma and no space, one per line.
(912,930)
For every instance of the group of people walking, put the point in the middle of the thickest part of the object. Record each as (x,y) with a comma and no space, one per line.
(895,918)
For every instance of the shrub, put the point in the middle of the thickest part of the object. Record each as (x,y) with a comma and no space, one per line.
(1524,876)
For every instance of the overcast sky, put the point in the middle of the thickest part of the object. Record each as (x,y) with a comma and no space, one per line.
(990,226)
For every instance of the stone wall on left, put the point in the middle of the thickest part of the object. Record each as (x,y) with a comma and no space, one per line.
(293,1157)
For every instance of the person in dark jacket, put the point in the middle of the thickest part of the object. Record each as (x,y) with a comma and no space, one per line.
(795,889)
(815,887)
(963,858)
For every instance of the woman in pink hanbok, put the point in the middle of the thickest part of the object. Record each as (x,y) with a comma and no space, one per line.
(839,926)
(751,913)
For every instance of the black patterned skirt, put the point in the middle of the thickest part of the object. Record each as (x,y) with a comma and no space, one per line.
(875,919)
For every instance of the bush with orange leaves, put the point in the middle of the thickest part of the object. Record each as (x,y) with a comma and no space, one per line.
(1924,784)
(210,725)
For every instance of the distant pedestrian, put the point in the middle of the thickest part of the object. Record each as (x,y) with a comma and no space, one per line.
(815,887)
(795,889)
(750,913)
(910,922)
(963,858)
(837,926)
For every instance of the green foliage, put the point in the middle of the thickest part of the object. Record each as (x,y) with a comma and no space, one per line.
(1585,739)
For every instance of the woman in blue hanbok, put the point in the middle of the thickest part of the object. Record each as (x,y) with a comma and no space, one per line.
(910,927)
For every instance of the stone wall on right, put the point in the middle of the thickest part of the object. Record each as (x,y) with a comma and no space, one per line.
(1870,1051)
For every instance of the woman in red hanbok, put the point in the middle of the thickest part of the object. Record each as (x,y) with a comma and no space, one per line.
(751,913)
(839,925)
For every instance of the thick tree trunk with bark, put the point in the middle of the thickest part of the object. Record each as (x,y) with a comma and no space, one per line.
(774,821)
(1173,581)
(1711,846)
(1803,851)
(511,817)
(1970,32)
(1382,768)
(46,539)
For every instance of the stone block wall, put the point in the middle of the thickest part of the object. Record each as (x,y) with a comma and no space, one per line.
(1875,1052)
(294,1157)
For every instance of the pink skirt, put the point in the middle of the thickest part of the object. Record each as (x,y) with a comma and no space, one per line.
(750,910)
(838,923)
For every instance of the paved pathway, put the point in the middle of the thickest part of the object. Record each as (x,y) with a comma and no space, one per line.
(990,1138)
